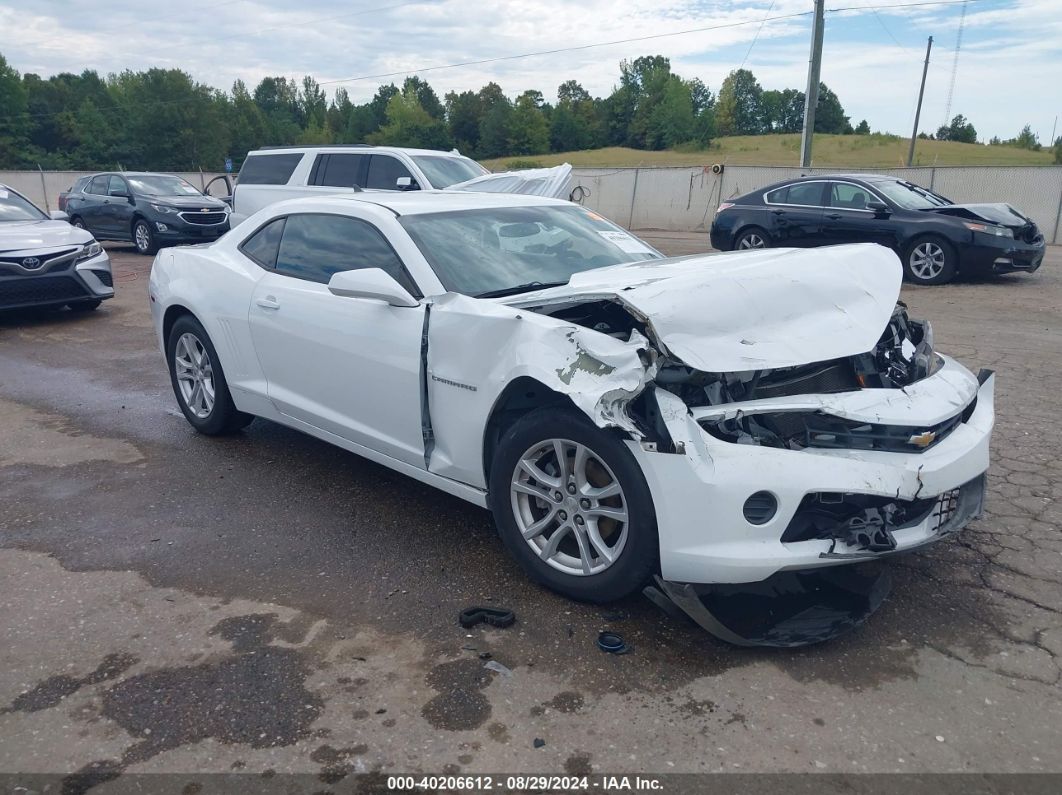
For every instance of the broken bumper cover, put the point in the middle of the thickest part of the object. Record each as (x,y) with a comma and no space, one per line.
(700,494)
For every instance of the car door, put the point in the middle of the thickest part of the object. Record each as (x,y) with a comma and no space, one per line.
(349,366)
(848,220)
(95,200)
(794,214)
(119,208)
(340,170)
(385,171)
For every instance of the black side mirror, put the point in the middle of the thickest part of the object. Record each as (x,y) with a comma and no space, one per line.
(878,207)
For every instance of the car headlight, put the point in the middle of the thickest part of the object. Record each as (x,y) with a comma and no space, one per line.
(162,209)
(989,229)
(90,250)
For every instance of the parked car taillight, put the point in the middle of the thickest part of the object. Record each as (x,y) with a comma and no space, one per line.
(724,206)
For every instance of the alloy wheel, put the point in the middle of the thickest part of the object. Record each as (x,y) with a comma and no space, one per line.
(569,507)
(927,260)
(142,237)
(195,375)
(752,240)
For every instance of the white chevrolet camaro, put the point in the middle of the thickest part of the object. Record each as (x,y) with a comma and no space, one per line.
(708,419)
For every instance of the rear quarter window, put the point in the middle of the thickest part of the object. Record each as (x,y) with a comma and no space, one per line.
(269,169)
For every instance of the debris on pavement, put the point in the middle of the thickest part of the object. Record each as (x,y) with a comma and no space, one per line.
(494,616)
(612,643)
(497,667)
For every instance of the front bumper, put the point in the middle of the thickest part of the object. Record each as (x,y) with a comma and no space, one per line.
(172,228)
(700,492)
(991,254)
(63,281)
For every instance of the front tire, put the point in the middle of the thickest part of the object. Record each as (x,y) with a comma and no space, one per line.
(143,237)
(752,238)
(929,260)
(572,506)
(199,382)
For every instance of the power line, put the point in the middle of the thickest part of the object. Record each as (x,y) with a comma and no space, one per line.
(756,38)
(556,51)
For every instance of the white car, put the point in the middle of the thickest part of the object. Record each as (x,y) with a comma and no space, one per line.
(276,173)
(711,419)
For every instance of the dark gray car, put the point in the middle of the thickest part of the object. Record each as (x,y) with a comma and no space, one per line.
(149,210)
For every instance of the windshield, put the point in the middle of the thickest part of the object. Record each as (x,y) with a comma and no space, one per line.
(443,172)
(163,185)
(500,248)
(15,208)
(910,197)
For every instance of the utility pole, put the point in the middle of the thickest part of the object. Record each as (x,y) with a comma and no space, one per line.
(918,110)
(811,96)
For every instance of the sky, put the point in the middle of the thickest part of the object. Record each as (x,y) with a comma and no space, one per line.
(1009,67)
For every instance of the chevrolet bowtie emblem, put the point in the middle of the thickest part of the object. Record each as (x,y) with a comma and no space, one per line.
(923,439)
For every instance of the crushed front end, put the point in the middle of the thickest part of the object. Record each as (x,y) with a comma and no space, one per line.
(819,464)
(766,476)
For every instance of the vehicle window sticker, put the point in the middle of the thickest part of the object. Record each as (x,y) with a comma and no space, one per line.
(624,242)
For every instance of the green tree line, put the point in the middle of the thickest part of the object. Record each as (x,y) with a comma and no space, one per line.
(162,119)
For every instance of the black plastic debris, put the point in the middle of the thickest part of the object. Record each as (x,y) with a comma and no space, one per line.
(494,616)
(612,643)
(789,609)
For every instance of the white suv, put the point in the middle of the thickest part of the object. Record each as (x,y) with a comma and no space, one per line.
(289,172)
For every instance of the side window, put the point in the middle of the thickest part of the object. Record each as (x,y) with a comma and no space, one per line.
(117,186)
(314,247)
(98,186)
(264,244)
(341,171)
(848,196)
(269,169)
(384,172)
(807,193)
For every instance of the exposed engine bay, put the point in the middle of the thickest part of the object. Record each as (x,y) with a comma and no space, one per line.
(902,356)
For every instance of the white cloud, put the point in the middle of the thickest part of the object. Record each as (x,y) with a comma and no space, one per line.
(876,77)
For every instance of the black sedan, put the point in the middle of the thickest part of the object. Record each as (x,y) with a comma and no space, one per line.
(934,237)
(147,209)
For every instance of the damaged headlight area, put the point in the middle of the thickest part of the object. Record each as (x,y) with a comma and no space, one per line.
(903,355)
(795,430)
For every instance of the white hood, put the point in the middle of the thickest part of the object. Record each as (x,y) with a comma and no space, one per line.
(554,183)
(751,310)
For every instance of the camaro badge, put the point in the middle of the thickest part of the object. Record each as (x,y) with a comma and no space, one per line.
(923,439)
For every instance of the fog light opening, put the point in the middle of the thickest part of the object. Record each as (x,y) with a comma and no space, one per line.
(760,508)
(161,227)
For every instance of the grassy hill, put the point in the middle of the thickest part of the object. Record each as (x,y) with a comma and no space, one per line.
(868,151)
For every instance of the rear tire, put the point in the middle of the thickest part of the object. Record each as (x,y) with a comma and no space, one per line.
(76,221)
(143,237)
(929,260)
(585,528)
(199,382)
(751,238)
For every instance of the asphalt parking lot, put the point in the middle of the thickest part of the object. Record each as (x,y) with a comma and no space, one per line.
(266,602)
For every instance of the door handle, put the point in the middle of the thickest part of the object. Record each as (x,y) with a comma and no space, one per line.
(834,216)
(778,212)
(269,302)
